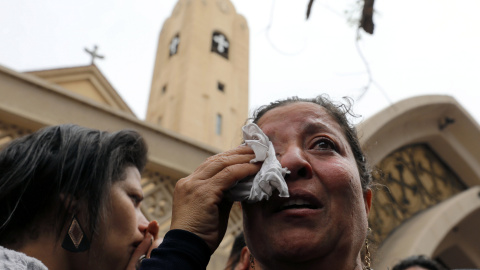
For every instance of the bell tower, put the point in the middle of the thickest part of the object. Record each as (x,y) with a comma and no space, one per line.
(200,79)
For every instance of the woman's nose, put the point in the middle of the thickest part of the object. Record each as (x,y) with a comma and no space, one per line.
(295,160)
(142,222)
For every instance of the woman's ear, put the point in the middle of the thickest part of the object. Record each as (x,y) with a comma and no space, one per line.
(367,196)
(244,262)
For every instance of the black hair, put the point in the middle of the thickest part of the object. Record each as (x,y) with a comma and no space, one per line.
(66,160)
(339,112)
(418,260)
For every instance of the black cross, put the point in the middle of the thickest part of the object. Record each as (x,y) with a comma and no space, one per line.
(94,54)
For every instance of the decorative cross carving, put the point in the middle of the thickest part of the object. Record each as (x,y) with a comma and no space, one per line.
(94,54)
(174,45)
(222,42)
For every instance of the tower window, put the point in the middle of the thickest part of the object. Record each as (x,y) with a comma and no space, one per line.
(164,89)
(173,47)
(221,87)
(220,44)
(219,124)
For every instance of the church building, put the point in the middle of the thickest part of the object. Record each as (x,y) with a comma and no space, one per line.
(425,149)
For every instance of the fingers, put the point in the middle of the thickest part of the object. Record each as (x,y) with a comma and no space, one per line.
(153,228)
(195,190)
(154,244)
(150,241)
(199,204)
(142,249)
(215,164)
(227,177)
(225,169)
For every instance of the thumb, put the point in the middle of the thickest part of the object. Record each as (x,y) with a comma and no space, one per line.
(142,249)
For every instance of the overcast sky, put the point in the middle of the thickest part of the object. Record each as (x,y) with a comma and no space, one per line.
(419,47)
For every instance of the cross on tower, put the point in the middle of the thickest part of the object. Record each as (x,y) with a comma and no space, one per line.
(174,45)
(94,54)
(222,43)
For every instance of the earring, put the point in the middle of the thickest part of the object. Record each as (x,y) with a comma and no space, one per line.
(367,257)
(252,262)
(75,240)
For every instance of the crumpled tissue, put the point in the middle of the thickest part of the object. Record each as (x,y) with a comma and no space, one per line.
(271,175)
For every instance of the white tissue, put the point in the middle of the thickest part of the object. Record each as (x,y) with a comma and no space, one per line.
(271,175)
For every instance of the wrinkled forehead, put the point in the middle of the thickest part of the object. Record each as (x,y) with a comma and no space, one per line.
(130,178)
(299,113)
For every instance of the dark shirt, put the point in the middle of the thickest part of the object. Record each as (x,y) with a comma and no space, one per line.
(179,250)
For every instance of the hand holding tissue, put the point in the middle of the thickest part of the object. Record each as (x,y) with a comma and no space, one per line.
(271,175)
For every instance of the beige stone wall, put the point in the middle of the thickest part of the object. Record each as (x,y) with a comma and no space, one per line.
(191,101)
(86,81)
(85,88)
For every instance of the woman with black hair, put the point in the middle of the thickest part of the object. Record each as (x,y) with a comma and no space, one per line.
(70,199)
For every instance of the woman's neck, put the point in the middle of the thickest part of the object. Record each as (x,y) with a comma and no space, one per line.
(46,250)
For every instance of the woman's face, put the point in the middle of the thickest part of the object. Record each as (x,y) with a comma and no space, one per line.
(124,226)
(326,213)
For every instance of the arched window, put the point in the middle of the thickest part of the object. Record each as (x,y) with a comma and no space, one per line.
(411,179)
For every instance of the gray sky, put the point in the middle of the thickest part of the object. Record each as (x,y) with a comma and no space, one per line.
(419,47)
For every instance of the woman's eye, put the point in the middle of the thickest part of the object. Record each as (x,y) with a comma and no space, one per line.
(136,199)
(324,144)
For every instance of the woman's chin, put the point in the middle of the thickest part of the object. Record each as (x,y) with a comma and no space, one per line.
(298,250)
